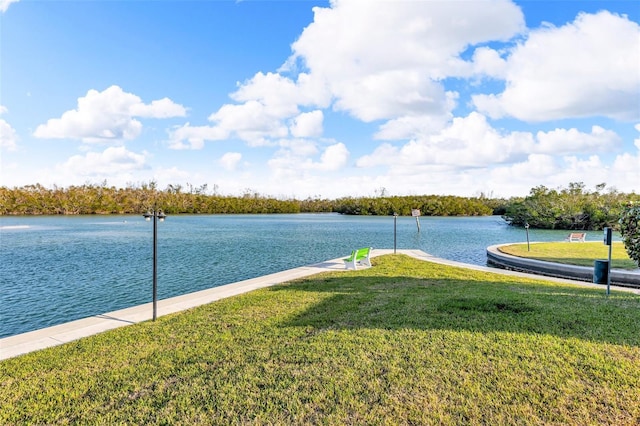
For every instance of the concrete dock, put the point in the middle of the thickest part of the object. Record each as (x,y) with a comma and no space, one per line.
(63,333)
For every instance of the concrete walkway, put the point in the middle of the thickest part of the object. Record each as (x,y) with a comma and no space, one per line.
(59,334)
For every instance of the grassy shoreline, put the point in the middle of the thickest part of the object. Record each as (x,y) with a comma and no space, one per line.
(406,341)
(580,254)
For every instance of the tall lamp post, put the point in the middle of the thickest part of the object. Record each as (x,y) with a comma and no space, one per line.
(156,215)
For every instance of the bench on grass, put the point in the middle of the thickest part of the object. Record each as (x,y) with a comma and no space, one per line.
(577,237)
(359,257)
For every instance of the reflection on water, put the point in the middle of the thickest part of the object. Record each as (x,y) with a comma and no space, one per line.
(57,269)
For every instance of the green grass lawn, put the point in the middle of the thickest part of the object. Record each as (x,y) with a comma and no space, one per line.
(404,342)
(581,254)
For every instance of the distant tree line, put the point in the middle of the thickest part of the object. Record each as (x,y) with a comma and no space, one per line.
(573,208)
(176,199)
(102,199)
(429,205)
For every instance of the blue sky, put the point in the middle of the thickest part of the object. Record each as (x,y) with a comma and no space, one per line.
(319,98)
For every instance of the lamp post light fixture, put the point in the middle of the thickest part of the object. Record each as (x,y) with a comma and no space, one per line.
(156,215)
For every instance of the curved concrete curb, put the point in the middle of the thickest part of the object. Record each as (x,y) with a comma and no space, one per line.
(506,261)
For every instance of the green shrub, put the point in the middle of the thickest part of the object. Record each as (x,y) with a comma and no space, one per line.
(630,230)
(574,207)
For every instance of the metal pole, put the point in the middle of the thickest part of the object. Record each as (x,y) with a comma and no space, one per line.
(395,238)
(526,226)
(609,270)
(155,264)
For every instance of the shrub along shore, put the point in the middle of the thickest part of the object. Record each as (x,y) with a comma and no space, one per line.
(406,341)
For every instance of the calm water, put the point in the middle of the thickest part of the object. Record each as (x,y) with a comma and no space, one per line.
(57,269)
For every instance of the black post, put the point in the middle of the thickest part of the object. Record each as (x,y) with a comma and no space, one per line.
(609,271)
(157,215)
(395,238)
(155,264)
(608,240)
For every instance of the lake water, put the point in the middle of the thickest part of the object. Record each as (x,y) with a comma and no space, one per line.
(62,268)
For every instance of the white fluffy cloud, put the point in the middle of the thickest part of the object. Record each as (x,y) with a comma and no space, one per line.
(298,148)
(502,180)
(296,159)
(333,158)
(467,142)
(4,4)
(282,95)
(8,135)
(193,137)
(585,68)
(390,74)
(307,124)
(251,121)
(567,141)
(386,62)
(472,142)
(111,162)
(351,40)
(628,166)
(106,116)
(266,103)
(162,108)
(392,94)
(410,127)
(230,160)
(488,62)
(554,172)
